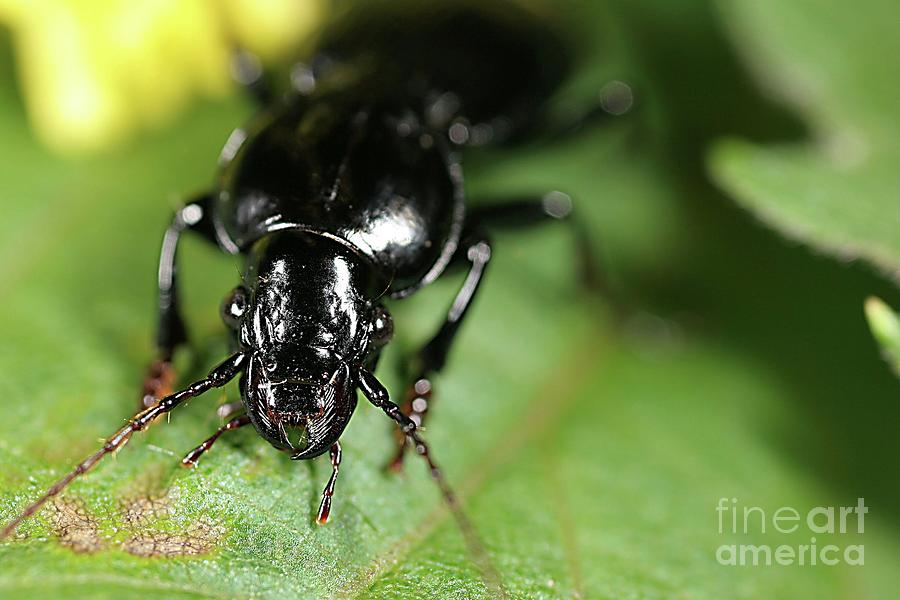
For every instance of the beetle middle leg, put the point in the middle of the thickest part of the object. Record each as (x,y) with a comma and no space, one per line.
(431,358)
(171,332)
(512,213)
(521,212)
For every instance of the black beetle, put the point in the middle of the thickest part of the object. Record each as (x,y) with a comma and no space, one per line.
(345,192)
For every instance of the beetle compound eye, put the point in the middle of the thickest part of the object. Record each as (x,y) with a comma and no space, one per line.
(234,307)
(382,326)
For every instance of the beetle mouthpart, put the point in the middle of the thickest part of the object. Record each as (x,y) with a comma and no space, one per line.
(293,429)
(297,436)
(292,418)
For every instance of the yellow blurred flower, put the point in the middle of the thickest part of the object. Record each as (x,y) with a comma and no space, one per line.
(95,71)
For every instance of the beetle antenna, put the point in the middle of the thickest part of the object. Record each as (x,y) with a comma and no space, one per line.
(378,395)
(116,441)
(483,561)
(218,377)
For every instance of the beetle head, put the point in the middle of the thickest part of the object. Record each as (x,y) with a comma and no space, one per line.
(306,317)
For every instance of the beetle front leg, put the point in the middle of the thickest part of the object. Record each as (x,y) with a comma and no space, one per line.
(431,359)
(328,492)
(191,458)
(171,332)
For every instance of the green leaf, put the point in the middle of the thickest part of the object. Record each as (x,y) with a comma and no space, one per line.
(836,64)
(885,326)
(590,451)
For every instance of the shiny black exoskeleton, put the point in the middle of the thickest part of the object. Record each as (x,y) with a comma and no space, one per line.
(344,193)
(351,193)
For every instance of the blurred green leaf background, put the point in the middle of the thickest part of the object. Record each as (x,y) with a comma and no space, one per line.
(590,439)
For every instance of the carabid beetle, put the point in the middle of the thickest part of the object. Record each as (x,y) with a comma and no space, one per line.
(343,193)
